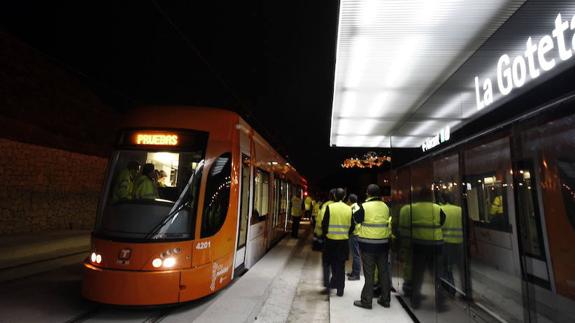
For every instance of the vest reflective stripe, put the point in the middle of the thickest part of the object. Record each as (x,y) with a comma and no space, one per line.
(452,228)
(317,230)
(375,225)
(372,241)
(426,223)
(339,221)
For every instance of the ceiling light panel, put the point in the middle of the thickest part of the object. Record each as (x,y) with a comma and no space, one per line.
(393,54)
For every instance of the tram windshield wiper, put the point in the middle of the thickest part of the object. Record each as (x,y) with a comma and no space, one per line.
(178,206)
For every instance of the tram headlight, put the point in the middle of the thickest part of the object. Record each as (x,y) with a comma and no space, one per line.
(96,258)
(157,263)
(169,262)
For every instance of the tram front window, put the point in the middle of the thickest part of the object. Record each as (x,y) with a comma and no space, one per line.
(151,195)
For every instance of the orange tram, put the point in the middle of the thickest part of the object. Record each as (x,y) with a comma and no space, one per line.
(219,202)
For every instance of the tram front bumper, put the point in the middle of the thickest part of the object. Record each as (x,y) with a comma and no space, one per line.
(120,287)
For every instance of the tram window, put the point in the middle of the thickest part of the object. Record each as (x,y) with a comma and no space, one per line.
(261,197)
(138,201)
(486,201)
(528,211)
(217,195)
(567,176)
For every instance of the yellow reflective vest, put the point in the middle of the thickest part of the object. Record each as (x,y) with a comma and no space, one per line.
(123,187)
(307,203)
(295,207)
(452,228)
(426,223)
(315,208)
(339,221)
(145,188)
(375,226)
(319,218)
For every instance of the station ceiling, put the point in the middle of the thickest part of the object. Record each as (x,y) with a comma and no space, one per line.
(392,56)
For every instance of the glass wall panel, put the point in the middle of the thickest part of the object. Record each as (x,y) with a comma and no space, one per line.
(426,243)
(447,193)
(493,248)
(401,228)
(545,177)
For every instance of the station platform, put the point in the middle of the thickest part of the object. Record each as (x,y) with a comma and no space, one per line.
(285,286)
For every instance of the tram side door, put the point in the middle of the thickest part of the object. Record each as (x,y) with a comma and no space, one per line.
(243,213)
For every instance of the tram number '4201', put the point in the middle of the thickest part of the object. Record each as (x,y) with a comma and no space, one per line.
(203,245)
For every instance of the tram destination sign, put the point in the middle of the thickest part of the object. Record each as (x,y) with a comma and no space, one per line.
(537,58)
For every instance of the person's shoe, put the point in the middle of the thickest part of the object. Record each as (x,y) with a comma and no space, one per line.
(382,303)
(348,274)
(339,293)
(353,278)
(362,304)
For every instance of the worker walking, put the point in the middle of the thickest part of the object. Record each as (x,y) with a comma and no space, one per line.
(373,238)
(295,213)
(353,242)
(336,227)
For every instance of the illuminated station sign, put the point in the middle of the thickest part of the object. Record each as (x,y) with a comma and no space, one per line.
(536,59)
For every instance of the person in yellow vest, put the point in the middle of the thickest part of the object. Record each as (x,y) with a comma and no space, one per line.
(374,235)
(427,218)
(315,206)
(145,187)
(452,241)
(336,228)
(321,241)
(124,185)
(353,244)
(307,202)
(295,213)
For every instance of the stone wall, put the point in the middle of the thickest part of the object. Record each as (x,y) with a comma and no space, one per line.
(47,189)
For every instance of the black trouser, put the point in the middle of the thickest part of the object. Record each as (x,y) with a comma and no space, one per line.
(338,279)
(426,257)
(326,267)
(369,261)
(295,226)
(336,252)
(453,257)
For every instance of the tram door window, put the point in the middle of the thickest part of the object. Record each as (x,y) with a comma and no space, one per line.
(244,202)
(217,196)
(546,156)
(261,196)
(277,199)
(495,271)
(283,203)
